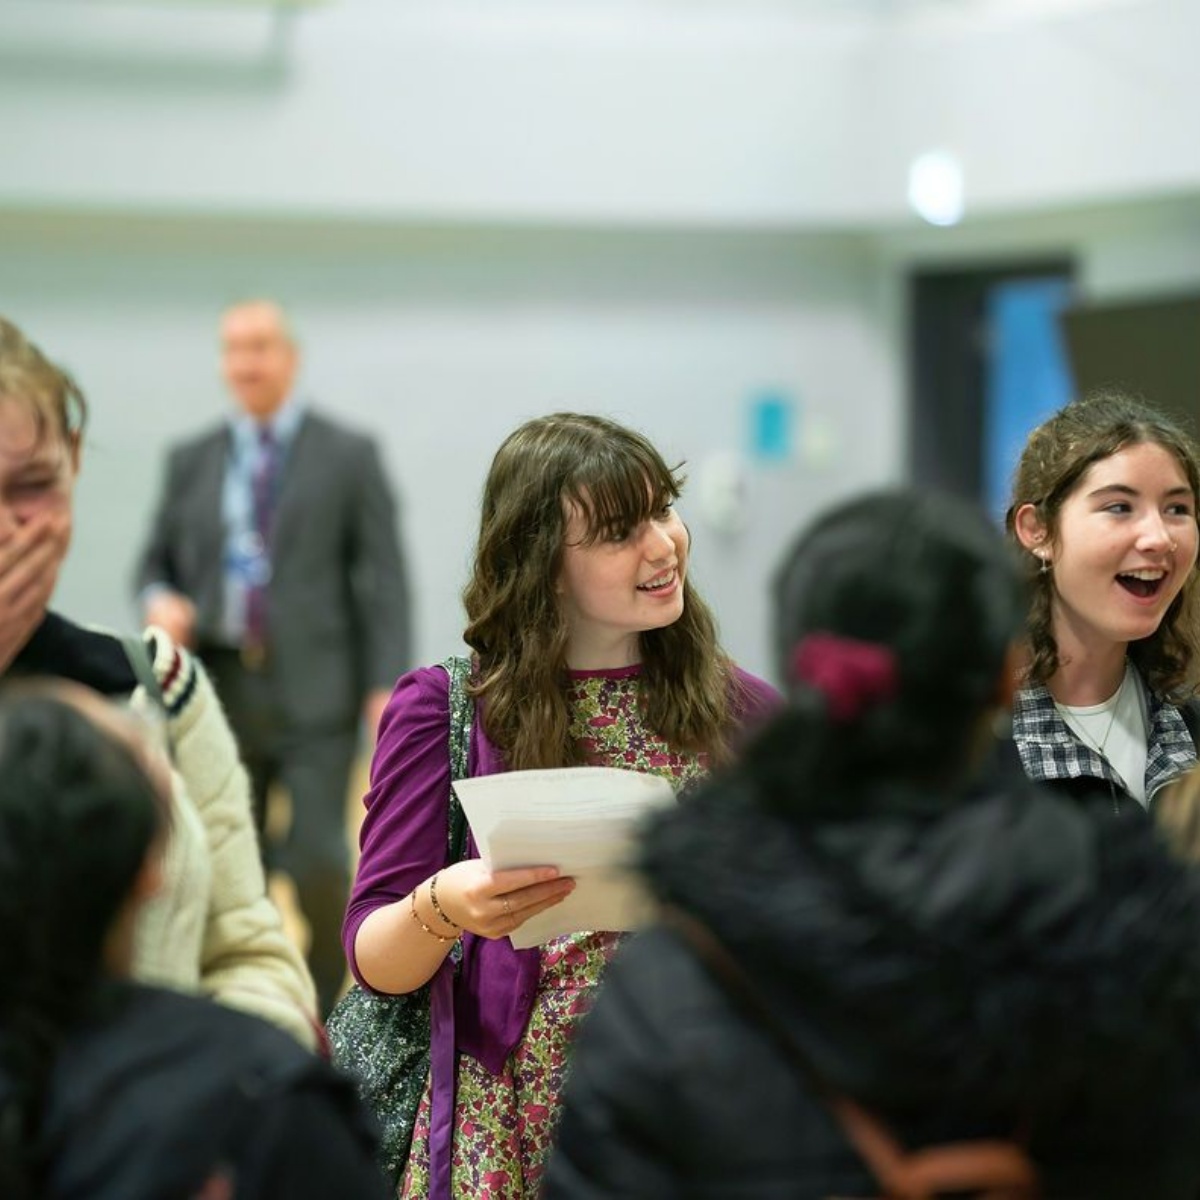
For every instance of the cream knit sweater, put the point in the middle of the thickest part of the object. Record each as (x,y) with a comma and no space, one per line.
(213,928)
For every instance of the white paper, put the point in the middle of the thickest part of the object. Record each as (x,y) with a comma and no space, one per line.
(584,821)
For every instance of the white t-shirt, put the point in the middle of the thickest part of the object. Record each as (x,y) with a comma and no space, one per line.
(1116,730)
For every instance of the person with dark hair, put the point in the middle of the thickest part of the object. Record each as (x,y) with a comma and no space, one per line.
(590,646)
(878,962)
(111,1090)
(212,927)
(1104,510)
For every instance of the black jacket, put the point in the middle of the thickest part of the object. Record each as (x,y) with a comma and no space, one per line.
(1014,962)
(61,649)
(162,1094)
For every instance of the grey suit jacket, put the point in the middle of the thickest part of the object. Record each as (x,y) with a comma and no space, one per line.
(337,601)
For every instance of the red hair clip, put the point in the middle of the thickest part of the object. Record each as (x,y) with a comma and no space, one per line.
(850,674)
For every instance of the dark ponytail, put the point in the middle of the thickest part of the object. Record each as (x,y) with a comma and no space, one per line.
(893,616)
(78,817)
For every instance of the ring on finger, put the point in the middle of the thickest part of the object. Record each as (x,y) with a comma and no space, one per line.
(507,906)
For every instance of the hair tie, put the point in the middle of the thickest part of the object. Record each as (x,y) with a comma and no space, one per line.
(850,674)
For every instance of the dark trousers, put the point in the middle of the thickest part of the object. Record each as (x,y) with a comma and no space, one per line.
(314,767)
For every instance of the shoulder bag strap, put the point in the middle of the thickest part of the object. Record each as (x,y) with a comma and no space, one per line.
(462,715)
(997,1169)
(441,996)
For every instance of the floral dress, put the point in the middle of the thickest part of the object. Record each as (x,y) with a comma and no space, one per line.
(504,1124)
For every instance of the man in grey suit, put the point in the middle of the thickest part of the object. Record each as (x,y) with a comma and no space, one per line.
(274,553)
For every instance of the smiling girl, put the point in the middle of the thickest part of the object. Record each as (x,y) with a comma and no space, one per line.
(590,645)
(1104,505)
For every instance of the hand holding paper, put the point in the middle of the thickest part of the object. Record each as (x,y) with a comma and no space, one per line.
(582,820)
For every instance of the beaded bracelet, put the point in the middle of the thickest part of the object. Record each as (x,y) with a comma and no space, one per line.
(417,917)
(437,908)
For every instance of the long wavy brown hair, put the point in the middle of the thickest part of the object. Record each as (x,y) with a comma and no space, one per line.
(29,378)
(1057,456)
(515,621)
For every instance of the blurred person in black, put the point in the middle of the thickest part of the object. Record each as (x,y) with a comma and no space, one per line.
(111,1089)
(940,945)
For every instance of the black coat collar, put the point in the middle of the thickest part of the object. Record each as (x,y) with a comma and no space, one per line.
(64,650)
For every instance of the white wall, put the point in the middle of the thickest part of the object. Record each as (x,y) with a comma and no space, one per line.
(522,111)
(1046,104)
(666,112)
(441,343)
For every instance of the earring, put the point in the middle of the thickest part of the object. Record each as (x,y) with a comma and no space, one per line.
(1044,560)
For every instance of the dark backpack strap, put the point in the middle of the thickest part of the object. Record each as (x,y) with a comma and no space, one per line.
(988,1169)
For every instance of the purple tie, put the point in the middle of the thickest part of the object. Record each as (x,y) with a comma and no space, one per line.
(263,484)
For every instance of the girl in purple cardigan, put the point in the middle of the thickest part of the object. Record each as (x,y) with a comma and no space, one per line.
(590,647)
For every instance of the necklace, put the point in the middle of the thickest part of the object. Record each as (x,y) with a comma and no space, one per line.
(1080,728)
(1075,723)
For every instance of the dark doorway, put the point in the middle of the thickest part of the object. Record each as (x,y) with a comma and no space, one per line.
(987,361)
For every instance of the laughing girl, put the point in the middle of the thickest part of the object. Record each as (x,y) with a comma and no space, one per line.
(1104,508)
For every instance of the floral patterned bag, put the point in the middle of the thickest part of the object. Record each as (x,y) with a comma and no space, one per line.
(383,1041)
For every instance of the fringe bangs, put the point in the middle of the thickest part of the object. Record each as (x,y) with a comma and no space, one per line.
(620,486)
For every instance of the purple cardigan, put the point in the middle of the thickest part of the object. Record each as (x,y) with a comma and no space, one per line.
(403,841)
